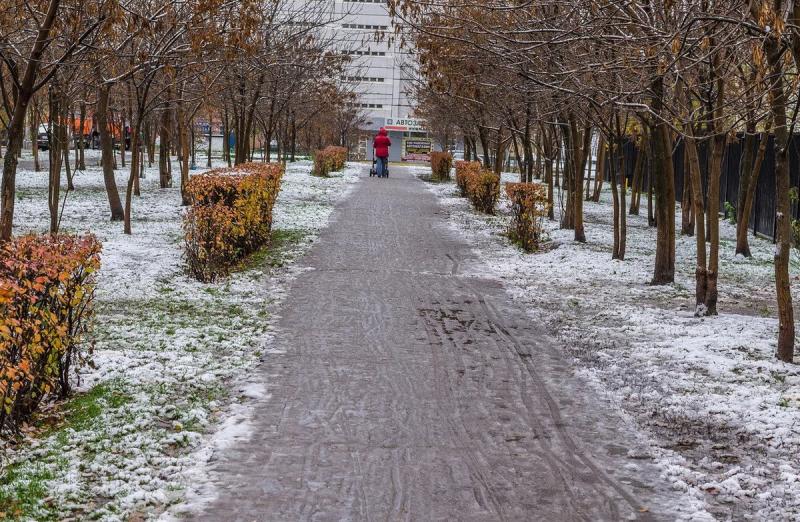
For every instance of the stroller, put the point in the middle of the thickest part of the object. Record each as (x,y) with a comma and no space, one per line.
(374,170)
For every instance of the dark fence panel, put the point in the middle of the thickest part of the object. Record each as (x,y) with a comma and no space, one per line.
(762,219)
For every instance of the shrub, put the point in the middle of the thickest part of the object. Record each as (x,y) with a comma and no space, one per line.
(529,207)
(483,190)
(230,217)
(441,163)
(463,169)
(46,294)
(330,159)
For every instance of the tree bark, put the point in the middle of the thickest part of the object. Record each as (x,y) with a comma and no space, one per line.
(34,130)
(700,274)
(636,182)
(714,172)
(164,171)
(68,126)
(134,173)
(664,188)
(614,153)
(210,140)
(107,153)
(81,139)
(783,239)
(687,205)
(600,171)
(55,153)
(487,163)
(747,193)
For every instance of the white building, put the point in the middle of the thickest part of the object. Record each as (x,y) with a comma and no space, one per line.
(365,32)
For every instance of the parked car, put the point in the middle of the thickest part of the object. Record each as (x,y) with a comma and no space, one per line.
(43,138)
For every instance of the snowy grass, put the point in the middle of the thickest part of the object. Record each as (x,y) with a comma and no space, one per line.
(170,354)
(723,414)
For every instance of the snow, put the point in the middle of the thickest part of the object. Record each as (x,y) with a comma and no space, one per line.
(171,355)
(722,414)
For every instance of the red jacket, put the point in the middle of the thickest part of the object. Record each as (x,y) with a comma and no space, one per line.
(382,144)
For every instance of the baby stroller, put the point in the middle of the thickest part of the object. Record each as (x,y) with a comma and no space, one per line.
(374,170)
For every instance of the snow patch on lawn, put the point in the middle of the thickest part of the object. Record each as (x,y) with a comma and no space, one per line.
(171,355)
(723,414)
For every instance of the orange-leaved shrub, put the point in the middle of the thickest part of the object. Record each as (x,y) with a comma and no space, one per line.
(483,190)
(46,295)
(330,159)
(230,216)
(463,169)
(441,163)
(529,208)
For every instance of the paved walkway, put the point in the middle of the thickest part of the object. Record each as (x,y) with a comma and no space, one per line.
(409,392)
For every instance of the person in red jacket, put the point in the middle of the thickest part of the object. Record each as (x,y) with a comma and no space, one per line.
(381,145)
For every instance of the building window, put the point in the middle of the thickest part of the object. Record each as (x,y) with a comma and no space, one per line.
(366,26)
(363,79)
(364,53)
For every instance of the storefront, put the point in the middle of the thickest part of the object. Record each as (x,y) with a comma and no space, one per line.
(410,141)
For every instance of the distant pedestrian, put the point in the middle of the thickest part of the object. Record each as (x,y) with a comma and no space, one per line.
(381,146)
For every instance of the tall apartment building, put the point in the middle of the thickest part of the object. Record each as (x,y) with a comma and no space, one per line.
(378,74)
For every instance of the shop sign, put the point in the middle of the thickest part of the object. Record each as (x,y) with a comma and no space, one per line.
(417,149)
(405,125)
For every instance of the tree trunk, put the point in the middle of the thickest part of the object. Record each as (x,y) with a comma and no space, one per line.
(623,207)
(783,225)
(687,205)
(527,149)
(122,138)
(636,183)
(68,124)
(210,140)
(664,188)
(714,173)
(34,129)
(600,171)
(55,153)
(487,163)
(581,144)
(747,193)
(164,171)
(134,173)
(651,217)
(294,138)
(81,139)
(183,138)
(568,216)
(150,141)
(614,154)
(107,153)
(700,273)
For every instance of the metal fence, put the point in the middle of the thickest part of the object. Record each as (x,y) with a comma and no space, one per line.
(762,219)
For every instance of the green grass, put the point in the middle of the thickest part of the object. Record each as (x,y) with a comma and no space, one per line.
(84,409)
(23,486)
(22,498)
(277,253)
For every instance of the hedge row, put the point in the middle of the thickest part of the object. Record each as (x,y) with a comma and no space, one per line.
(481,186)
(441,163)
(463,169)
(529,208)
(46,294)
(330,159)
(230,217)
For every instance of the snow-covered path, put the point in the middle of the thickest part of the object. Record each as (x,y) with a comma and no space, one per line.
(401,389)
